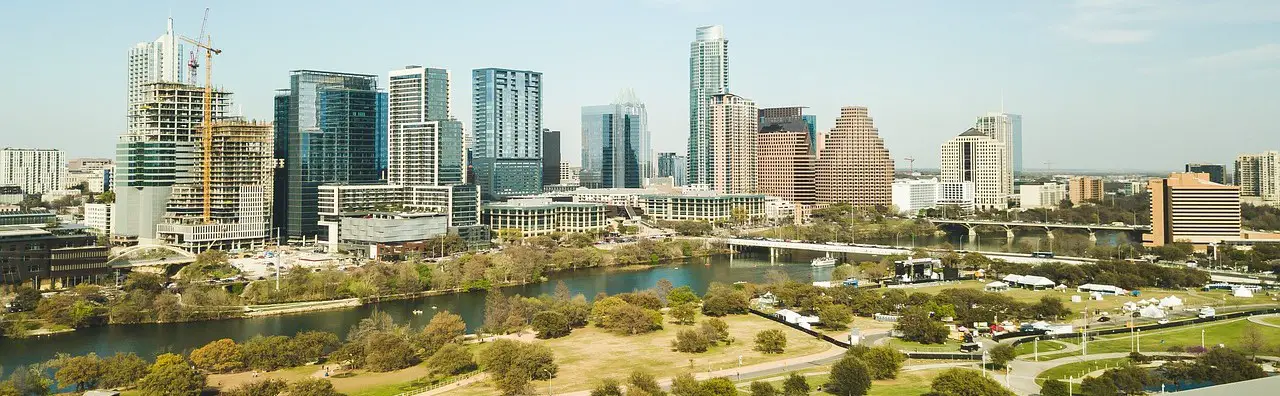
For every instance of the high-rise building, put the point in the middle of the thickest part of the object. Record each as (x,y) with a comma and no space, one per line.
(329,131)
(1006,128)
(790,119)
(675,166)
(507,114)
(976,157)
(160,150)
(37,171)
(150,62)
(708,76)
(550,157)
(785,166)
(734,122)
(615,144)
(1217,172)
(1084,188)
(1041,196)
(382,135)
(1258,175)
(853,166)
(566,174)
(1188,207)
(425,143)
(240,170)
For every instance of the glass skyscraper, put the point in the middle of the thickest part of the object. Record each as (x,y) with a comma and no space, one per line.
(426,143)
(507,115)
(381,138)
(708,75)
(615,144)
(330,129)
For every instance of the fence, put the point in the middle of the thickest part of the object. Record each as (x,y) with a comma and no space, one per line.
(1038,335)
(447,381)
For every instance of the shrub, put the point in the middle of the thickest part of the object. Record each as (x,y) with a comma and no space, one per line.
(550,324)
(690,341)
(771,341)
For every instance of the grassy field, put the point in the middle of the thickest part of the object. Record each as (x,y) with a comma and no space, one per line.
(590,354)
(1077,369)
(951,345)
(1191,298)
(1224,332)
(1029,348)
(1275,320)
(907,384)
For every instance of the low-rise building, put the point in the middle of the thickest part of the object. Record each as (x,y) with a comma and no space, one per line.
(36,217)
(959,194)
(372,230)
(51,258)
(704,205)
(11,195)
(541,216)
(97,217)
(1187,207)
(776,209)
(1084,188)
(1037,196)
(459,203)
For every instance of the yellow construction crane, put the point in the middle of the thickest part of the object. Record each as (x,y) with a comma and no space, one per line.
(207,126)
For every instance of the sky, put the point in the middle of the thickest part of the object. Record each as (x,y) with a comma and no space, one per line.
(1101,84)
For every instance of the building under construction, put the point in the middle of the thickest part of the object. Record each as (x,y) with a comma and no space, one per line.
(240,182)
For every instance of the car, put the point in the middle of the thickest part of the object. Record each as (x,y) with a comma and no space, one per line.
(970,347)
(1163,321)
(1104,319)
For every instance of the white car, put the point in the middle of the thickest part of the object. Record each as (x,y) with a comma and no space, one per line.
(1163,321)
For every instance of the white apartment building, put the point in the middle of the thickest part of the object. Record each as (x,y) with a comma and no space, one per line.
(958,194)
(734,125)
(37,171)
(910,196)
(98,217)
(162,60)
(1258,175)
(975,157)
(1037,196)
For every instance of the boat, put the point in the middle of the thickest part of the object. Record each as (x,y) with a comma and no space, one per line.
(823,262)
(417,312)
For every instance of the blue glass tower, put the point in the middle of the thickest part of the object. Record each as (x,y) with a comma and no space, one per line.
(507,115)
(615,144)
(381,142)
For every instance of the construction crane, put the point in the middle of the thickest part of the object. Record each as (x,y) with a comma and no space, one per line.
(207,125)
(193,63)
(911,161)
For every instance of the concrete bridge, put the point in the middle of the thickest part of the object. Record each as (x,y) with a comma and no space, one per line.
(121,258)
(775,245)
(1008,226)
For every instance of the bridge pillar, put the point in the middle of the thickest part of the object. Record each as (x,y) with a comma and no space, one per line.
(773,255)
(1093,236)
(1048,231)
(1008,233)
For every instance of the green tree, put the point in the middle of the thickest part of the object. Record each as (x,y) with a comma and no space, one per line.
(550,324)
(683,313)
(172,375)
(960,382)
(771,341)
(1223,365)
(883,362)
(1099,386)
(122,370)
(718,387)
(607,387)
(849,376)
(1002,354)
(632,320)
(312,387)
(451,359)
(512,364)
(685,385)
(643,383)
(444,328)
(83,372)
(715,329)
(510,235)
(29,381)
(834,316)
(262,387)
(845,271)
(916,325)
(1054,388)
(268,353)
(682,295)
(387,352)
(690,341)
(26,299)
(220,356)
(762,389)
(795,385)
(310,346)
(722,300)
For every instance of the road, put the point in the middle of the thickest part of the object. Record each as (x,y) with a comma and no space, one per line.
(891,250)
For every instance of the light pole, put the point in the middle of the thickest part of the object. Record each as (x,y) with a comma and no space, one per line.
(548,371)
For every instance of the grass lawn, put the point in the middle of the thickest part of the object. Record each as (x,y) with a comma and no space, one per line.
(362,383)
(1077,369)
(1029,348)
(907,384)
(1224,332)
(1275,320)
(951,345)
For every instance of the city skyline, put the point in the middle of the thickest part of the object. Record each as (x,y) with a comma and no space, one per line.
(1063,61)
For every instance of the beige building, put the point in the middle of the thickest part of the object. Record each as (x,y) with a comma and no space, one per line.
(541,216)
(1258,175)
(1084,188)
(785,166)
(1188,207)
(1037,196)
(853,165)
(975,157)
(734,126)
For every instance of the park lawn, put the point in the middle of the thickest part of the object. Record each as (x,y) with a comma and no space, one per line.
(908,383)
(1029,348)
(951,345)
(1224,332)
(1190,298)
(228,381)
(362,383)
(1077,369)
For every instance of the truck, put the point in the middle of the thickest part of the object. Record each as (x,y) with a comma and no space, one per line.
(1207,312)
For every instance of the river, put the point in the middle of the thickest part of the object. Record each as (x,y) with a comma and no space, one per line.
(148,340)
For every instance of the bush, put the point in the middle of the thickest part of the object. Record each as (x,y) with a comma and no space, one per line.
(967,382)
(683,313)
(313,387)
(722,300)
(849,376)
(834,317)
(916,325)
(644,383)
(762,389)
(795,385)
(451,359)
(715,329)
(718,387)
(690,341)
(1054,388)
(1002,354)
(262,387)
(607,387)
(221,356)
(171,375)
(771,341)
(550,324)
(387,352)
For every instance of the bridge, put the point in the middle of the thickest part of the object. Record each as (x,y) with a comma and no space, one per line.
(121,258)
(774,245)
(1008,226)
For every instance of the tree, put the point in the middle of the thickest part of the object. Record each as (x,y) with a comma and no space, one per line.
(683,313)
(849,376)
(512,364)
(444,328)
(960,382)
(451,359)
(26,299)
(267,353)
(762,389)
(682,295)
(1099,386)
(834,316)
(685,385)
(550,324)
(644,383)
(771,341)
(83,372)
(29,381)
(1054,388)
(262,387)
(690,341)
(663,288)
(510,235)
(795,385)
(312,387)
(1002,354)
(122,370)
(1222,365)
(718,387)
(221,356)
(722,300)
(607,387)
(172,375)
(883,362)
(916,325)
(1252,341)
(715,329)
(1049,307)
(844,271)
(387,352)
(776,278)
(310,346)
(632,320)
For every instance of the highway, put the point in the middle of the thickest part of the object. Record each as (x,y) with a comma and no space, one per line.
(890,250)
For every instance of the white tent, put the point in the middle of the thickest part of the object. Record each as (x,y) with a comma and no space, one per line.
(997,286)
(1170,302)
(1241,292)
(1152,311)
(1153,300)
(1108,289)
(1130,306)
(1012,278)
(1036,282)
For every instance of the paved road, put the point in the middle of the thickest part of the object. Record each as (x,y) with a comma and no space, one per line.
(1258,319)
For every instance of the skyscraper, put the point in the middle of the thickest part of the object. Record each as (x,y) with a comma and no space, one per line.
(790,119)
(1217,172)
(1258,175)
(1005,128)
(37,171)
(675,166)
(615,144)
(425,143)
(976,157)
(734,123)
(161,60)
(708,75)
(330,133)
(854,166)
(550,157)
(507,115)
(383,137)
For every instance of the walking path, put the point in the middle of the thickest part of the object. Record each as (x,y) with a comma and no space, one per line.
(1259,320)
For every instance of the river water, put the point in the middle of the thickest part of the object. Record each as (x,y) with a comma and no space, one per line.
(148,340)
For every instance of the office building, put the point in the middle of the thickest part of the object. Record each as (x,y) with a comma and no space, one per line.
(1084,188)
(957,194)
(550,157)
(10,195)
(1041,196)
(425,143)
(708,76)
(162,60)
(675,166)
(567,176)
(1217,172)
(327,124)
(37,171)
(1258,175)
(704,206)
(51,257)
(615,144)
(785,166)
(734,123)
(460,204)
(382,134)
(97,217)
(1188,207)
(94,173)
(160,150)
(853,165)
(240,191)
(507,114)
(1006,128)
(790,119)
(542,216)
(975,157)
(910,196)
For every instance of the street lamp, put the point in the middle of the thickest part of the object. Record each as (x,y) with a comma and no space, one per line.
(548,371)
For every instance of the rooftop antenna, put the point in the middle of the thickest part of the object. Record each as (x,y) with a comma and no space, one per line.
(1002,101)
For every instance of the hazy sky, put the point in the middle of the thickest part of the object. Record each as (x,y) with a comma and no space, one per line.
(1138,84)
